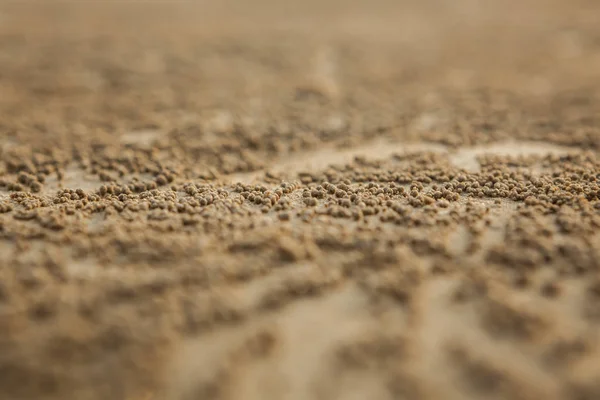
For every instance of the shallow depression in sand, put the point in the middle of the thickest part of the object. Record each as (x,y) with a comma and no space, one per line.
(464,158)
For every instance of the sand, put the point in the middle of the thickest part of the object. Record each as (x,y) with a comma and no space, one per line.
(300,200)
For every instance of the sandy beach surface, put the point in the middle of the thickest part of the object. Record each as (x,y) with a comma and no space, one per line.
(300,200)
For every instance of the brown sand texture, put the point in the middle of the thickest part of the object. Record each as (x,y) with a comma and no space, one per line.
(296,200)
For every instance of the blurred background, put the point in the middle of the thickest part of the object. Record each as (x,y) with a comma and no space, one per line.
(285,68)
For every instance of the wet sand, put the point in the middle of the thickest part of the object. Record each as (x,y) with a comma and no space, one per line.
(326,200)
